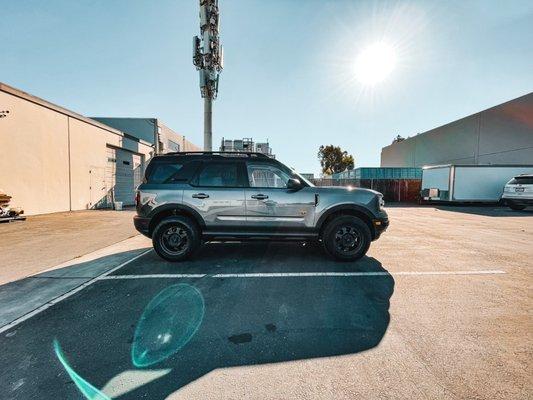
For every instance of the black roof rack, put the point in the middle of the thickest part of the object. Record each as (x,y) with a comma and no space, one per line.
(223,153)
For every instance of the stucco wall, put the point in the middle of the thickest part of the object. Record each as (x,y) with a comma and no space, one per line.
(141,128)
(88,161)
(500,135)
(34,156)
(39,146)
(144,128)
(168,134)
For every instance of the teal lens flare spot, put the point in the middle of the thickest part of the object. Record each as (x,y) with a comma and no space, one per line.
(88,390)
(167,324)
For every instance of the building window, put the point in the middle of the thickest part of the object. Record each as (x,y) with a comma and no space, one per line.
(173,146)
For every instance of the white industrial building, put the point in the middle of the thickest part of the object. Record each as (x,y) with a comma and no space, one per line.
(246,145)
(53,159)
(500,135)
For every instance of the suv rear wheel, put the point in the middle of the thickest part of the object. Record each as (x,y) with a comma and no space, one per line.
(176,238)
(346,238)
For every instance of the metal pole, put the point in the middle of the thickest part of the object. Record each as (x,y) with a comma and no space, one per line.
(156,137)
(208,58)
(208,124)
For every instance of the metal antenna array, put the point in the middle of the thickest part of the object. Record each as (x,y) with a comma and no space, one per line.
(208,58)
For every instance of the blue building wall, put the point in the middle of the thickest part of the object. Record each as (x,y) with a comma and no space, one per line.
(380,173)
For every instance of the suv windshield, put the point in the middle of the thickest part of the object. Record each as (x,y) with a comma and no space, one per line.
(294,172)
(521,180)
(303,179)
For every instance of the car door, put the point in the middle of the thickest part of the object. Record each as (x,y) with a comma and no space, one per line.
(270,204)
(217,193)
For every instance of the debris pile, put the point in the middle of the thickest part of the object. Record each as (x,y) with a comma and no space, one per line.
(8,213)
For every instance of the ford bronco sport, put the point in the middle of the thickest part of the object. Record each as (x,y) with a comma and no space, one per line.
(191,197)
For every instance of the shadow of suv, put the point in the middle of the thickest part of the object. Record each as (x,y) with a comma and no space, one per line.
(190,197)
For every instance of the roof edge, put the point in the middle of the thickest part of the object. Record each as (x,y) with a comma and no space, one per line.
(54,107)
(429,131)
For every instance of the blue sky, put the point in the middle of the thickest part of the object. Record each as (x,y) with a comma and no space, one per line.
(289,66)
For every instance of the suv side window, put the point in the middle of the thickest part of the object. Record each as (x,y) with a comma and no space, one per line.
(170,171)
(266,176)
(220,174)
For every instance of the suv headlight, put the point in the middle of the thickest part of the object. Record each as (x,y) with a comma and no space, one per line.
(381,203)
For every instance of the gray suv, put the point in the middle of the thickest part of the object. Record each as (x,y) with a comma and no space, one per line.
(188,198)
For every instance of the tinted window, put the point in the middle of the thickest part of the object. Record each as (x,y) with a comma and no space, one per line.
(526,180)
(170,171)
(267,176)
(220,175)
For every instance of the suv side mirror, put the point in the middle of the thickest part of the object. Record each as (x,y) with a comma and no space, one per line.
(294,184)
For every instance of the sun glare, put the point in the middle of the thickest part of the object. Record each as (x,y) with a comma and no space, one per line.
(375,63)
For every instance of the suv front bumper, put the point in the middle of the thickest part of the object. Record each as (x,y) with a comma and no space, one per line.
(142,224)
(380,226)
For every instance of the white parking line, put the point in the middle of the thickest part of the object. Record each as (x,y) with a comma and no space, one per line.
(107,276)
(68,294)
(152,276)
(300,274)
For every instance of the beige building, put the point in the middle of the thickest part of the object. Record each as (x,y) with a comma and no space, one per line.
(153,131)
(500,135)
(52,159)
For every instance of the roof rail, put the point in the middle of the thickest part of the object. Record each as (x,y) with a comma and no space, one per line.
(229,153)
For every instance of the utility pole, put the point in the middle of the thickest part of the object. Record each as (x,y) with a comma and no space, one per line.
(208,58)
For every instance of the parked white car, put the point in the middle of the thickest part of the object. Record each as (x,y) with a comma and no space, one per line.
(518,192)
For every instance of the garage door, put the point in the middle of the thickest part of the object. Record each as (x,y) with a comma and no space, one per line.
(123,174)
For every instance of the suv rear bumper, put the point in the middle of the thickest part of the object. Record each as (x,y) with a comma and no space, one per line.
(518,201)
(142,224)
(380,226)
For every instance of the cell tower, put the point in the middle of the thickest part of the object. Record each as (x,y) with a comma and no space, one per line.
(208,58)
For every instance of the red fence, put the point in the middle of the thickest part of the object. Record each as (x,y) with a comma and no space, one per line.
(394,190)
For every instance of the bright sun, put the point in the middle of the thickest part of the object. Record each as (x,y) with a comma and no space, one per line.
(375,63)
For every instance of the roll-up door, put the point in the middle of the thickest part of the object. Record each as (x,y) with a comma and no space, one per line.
(123,174)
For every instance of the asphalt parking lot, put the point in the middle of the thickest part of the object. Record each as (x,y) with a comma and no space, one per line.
(58,237)
(440,308)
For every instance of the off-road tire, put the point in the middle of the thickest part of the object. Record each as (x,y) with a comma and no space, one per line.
(177,233)
(337,229)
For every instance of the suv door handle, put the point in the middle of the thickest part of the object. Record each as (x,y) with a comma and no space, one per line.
(200,196)
(259,196)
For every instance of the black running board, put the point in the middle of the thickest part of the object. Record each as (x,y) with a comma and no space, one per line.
(261,236)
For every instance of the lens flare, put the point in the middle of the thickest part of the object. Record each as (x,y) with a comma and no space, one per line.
(375,63)
(167,324)
(88,390)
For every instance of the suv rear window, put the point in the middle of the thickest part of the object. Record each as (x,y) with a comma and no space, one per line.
(522,180)
(170,171)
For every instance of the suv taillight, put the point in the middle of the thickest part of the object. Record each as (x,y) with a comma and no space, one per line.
(137,198)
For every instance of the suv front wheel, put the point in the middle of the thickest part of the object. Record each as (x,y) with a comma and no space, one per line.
(176,238)
(346,238)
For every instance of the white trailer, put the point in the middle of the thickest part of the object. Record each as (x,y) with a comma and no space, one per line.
(468,183)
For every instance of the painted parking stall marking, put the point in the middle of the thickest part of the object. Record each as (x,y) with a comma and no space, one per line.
(77,289)
(300,274)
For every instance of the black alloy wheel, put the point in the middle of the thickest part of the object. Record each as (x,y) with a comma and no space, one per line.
(176,238)
(346,238)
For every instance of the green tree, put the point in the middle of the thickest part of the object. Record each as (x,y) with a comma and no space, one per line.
(333,159)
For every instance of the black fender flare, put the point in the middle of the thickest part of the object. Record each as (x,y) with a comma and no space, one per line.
(177,207)
(346,207)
